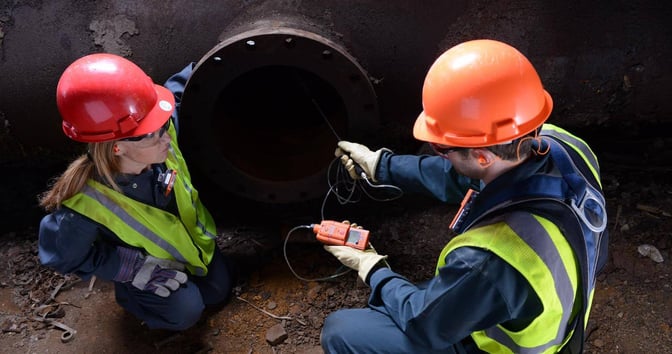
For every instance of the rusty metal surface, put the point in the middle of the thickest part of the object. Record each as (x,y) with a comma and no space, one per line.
(605,63)
(600,60)
(264,109)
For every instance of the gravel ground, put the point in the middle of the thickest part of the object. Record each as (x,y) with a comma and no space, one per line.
(273,311)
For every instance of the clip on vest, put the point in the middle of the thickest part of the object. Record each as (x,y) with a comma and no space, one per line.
(167,180)
(465,206)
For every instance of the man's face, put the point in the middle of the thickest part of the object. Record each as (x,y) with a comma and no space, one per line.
(466,164)
(464,160)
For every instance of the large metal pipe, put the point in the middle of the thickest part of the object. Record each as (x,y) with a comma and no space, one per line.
(605,65)
(263,110)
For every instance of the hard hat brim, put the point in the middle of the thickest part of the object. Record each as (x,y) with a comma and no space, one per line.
(422,129)
(159,114)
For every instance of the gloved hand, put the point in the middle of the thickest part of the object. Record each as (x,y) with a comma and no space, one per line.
(361,261)
(353,153)
(159,276)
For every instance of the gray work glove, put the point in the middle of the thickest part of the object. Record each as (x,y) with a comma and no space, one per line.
(148,273)
(352,154)
(361,261)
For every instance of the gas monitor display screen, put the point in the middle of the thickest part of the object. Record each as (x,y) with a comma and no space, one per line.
(354,236)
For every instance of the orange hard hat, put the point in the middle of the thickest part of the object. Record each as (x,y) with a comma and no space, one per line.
(481,93)
(104,97)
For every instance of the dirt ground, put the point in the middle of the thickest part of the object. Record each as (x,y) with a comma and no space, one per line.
(273,311)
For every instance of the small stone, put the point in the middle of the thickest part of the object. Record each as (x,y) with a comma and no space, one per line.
(315,321)
(651,252)
(313,292)
(271,305)
(598,343)
(276,335)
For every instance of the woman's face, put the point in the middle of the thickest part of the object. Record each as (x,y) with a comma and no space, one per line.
(138,153)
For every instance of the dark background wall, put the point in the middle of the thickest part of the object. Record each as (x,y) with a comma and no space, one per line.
(606,63)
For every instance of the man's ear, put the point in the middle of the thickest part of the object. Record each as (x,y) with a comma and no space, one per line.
(484,157)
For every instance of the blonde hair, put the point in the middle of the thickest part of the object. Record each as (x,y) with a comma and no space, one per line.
(99,163)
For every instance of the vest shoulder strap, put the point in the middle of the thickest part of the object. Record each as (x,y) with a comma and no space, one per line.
(577,207)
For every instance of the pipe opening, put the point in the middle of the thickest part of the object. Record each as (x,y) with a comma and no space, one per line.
(257,113)
(271,123)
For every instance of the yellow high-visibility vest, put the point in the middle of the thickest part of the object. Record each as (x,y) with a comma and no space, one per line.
(537,249)
(555,265)
(187,238)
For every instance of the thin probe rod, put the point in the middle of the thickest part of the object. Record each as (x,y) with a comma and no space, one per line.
(326,120)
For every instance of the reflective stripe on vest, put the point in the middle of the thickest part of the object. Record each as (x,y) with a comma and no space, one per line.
(192,211)
(537,249)
(577,145)
(188,239)
(139,225)
(572,190)
(193,214)
(593,237)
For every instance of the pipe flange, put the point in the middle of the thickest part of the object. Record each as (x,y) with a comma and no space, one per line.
(246,117)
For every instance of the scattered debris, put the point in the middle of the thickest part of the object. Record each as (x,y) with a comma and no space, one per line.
(264,311)
(37,288)
(170,339)
(91,283)
(276,334)
(651,252)
(68,332)
(653,210)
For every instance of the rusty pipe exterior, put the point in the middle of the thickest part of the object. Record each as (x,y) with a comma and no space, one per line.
(601,64)
(264,109)
(604,67)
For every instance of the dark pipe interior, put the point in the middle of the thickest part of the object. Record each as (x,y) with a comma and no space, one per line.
(264,110)
(271,123)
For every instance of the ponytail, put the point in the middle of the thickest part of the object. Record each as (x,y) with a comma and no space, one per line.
(98,163)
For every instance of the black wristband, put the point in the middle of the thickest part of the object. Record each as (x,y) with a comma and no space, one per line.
(380,264)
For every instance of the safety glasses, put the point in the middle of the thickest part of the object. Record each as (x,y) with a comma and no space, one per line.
(153,136)
(443,150)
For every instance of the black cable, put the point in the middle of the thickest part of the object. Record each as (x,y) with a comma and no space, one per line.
(284,251)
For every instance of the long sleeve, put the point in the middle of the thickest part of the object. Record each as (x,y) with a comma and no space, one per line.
(176,84)
(421,174)
(473,291)
(70,243)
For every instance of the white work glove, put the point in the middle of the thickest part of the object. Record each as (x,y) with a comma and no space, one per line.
(361,261)
(353,153)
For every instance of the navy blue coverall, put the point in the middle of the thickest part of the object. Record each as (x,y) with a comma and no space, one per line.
(72,243)
(474,290)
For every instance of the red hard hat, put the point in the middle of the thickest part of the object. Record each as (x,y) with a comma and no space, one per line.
(104,97)
(481,93)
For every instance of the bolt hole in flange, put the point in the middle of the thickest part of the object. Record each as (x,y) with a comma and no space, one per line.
(261,111)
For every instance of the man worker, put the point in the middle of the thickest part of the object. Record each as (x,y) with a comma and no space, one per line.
(520,275)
